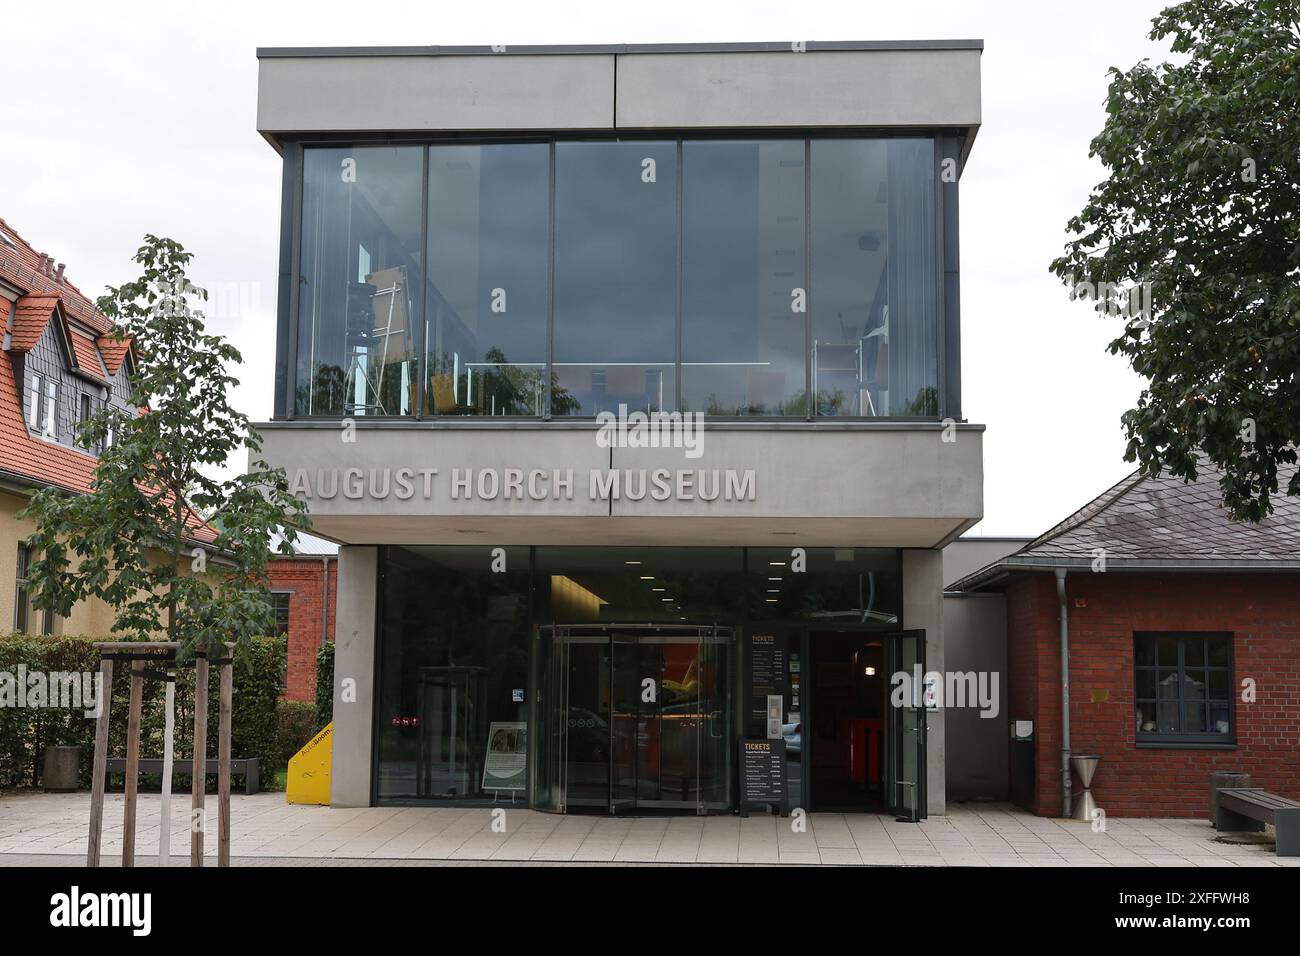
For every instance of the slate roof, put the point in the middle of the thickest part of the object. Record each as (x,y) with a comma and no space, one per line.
(1161,524)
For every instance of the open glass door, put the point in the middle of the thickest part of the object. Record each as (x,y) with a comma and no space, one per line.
(624,722)
(715,749)
(905,789)
(552,713)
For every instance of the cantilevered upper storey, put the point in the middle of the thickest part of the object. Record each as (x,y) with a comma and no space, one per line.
(483,251)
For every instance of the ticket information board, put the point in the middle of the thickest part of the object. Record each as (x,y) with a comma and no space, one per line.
(762,775)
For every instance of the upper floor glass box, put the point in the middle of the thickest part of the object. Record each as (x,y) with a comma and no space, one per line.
(782,277)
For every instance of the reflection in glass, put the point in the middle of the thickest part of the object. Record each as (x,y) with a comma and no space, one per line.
(615,277)
(742,267)
(874,314)
(359,281)
(489,225)
(453,668)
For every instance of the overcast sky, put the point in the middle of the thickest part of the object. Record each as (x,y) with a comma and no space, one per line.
(132,117)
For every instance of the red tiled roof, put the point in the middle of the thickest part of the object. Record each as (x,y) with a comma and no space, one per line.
(87,356)
(20,266)
(31,316)
(112,352)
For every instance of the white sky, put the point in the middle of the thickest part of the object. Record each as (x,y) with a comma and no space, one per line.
(132,117)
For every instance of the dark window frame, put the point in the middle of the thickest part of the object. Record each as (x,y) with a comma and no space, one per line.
(24,612)
(281,606)
(22,599)
(1181,668)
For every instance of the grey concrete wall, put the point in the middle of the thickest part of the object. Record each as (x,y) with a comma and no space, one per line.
(923,609)
(354,659)
(413,93)
(900,486)
(918,88)
(975,639)
(879,88)
(969,554)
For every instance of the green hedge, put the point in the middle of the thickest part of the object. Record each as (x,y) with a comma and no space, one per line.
(324,684)
(258,726)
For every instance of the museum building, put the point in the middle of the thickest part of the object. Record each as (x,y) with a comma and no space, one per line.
(627,379)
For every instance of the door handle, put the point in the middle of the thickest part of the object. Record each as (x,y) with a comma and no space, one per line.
(714,715)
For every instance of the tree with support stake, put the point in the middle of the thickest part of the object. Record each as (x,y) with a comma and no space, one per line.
(175,552)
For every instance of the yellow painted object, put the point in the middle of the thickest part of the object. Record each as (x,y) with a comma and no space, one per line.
(309,770)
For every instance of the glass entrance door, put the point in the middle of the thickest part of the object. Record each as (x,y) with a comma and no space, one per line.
(905,790)
(634,717)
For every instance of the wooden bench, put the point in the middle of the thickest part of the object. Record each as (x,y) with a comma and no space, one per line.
(238,768)
(1250,809)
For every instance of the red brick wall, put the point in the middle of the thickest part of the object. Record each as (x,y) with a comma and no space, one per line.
(304,578)
(1261,611)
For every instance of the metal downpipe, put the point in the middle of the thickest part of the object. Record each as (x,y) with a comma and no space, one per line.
(1066,795)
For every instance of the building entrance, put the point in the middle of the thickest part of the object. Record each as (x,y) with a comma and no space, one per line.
(634,717)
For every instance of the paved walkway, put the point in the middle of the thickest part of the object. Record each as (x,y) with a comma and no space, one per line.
(48,828)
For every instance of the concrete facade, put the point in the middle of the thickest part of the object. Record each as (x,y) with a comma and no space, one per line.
(354,676)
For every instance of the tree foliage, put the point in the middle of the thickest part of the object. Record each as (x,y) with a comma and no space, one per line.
(136,541)
(1201,210)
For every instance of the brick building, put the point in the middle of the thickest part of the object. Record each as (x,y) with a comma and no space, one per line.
(1183,631)
(303,587)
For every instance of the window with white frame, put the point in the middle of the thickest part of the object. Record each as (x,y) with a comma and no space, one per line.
(43,410)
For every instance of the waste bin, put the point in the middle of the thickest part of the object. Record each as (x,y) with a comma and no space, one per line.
(1085,768)
(1224,779)
(62,768)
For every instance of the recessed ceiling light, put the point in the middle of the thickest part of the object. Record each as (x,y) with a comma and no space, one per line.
(774,579)
(771,601)
(773,590)
(647,577)
(658,589)
(631,562)
(666,599)
(776,564)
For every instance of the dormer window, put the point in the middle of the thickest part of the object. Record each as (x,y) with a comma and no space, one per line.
(42,412)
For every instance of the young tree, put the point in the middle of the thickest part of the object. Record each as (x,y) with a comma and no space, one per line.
(1201,215)
(134,540)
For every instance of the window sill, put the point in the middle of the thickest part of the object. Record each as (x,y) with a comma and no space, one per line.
(1186,745)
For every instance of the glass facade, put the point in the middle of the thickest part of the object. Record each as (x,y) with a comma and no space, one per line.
(787,277)
(489,229)
(360,281)
(459,640)
(615,277)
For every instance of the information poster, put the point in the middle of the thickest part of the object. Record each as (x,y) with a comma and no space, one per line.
(767,678)
(762,773)
(506,764)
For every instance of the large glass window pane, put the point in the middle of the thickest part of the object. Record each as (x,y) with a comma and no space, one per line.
(615,277)
(743,278)
(359,281)
(874,276)
(453,674)
(489,223)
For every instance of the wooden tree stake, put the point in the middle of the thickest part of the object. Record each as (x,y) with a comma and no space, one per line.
(223,764)
(132,762)
(100,770)
(200,765)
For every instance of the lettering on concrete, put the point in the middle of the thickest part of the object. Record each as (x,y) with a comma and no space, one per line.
(524,484)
